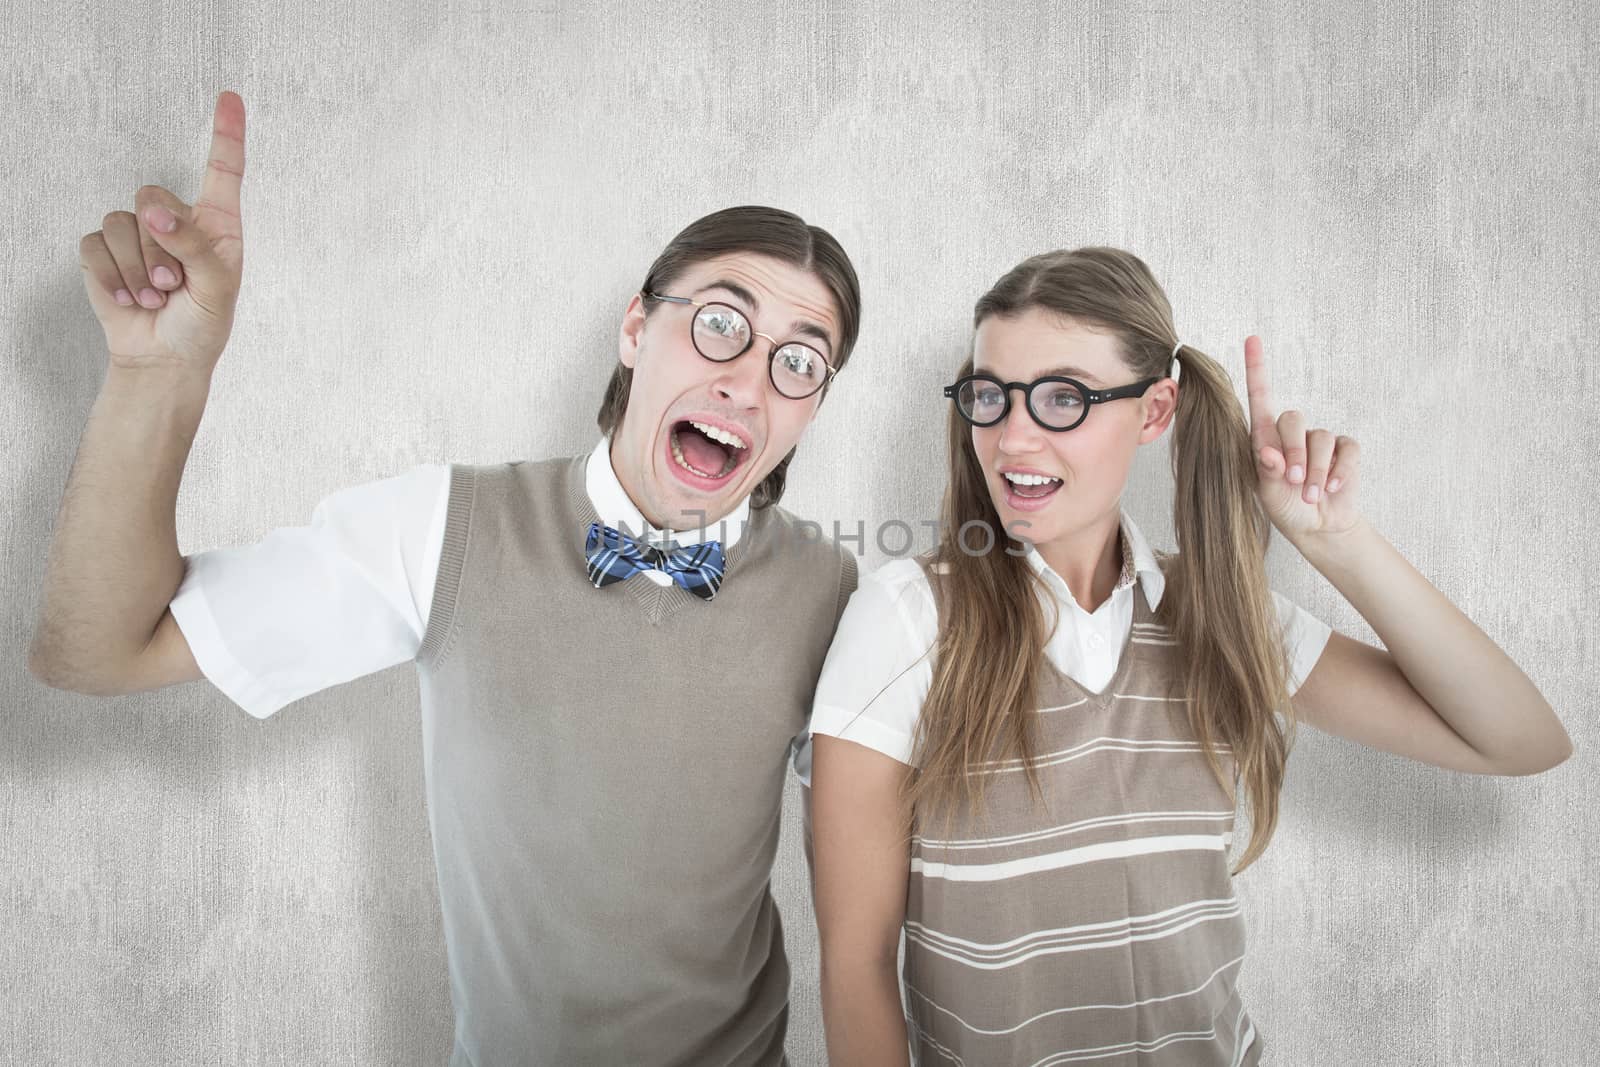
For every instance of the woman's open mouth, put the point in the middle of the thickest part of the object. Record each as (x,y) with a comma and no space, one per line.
(1029,492)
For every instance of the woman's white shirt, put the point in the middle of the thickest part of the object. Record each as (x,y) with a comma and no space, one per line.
(878,669)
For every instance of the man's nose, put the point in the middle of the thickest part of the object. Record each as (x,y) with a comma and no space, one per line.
(743,380)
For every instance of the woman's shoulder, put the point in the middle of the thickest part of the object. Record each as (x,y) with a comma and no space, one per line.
(897,587)
(898,573)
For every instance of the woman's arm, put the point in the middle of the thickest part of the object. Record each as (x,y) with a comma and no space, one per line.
(1443,693)
(862,860)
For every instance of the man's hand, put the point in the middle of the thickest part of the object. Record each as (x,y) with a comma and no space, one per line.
(163,279)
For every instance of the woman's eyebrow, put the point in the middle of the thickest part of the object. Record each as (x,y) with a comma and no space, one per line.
(1068,371)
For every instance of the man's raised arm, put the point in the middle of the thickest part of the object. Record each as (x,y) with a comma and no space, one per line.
(163,281)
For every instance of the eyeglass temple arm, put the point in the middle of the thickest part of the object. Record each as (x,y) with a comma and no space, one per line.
(1096,396)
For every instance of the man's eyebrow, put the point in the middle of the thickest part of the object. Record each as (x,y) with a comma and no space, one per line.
(803,327)
(733,287)
(807,328)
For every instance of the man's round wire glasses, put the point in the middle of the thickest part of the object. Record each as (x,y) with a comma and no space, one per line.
(1056,402)
(721,332)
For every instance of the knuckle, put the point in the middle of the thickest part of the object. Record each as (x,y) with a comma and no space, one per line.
(212,205)
(133,269)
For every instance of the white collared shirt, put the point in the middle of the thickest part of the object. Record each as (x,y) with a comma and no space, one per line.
(877,672)
(618,511)
(309,607)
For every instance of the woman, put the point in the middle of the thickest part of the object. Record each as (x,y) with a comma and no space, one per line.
(1028,745)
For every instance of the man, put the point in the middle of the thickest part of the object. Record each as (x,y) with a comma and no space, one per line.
(606,718)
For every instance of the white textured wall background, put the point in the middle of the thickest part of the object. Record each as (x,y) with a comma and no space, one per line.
(445,214)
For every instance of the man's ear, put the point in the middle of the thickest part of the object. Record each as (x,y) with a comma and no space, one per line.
(632,332)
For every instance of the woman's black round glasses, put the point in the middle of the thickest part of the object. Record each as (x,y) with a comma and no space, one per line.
(721,332)
(1055,402)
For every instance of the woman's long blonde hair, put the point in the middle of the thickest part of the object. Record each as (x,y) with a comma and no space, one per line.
(1216,603)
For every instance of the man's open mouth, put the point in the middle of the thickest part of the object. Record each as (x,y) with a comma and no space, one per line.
(706,451)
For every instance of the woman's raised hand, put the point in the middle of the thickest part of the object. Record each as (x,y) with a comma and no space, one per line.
(1306,479)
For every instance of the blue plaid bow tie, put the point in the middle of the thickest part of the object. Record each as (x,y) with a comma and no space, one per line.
(614,556)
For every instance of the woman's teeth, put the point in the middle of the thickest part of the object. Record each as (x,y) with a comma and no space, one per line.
(1028,479)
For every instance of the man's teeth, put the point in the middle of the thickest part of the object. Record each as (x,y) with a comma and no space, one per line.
(1028,479)
(677,454)
(719,435)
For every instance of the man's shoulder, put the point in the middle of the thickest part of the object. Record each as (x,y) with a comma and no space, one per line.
(526,465)
(523,469)
(518,489)
(808,538)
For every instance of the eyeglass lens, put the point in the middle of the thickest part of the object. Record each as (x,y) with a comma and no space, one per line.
(721,333)
(1056,404)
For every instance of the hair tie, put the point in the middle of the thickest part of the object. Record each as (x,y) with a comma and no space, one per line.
(1173,359)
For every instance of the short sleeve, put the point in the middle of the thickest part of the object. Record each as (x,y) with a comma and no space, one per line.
(879,666)
(309,607)
(800,744)
(1304,638)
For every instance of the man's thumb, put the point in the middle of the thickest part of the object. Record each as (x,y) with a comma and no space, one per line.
(168,223)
